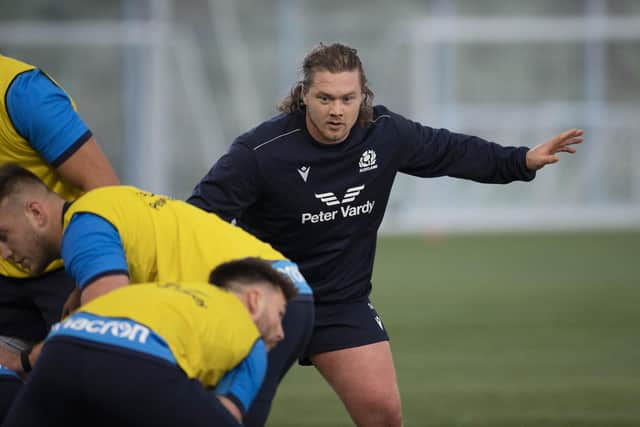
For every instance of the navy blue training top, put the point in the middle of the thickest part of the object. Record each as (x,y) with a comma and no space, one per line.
(321,205)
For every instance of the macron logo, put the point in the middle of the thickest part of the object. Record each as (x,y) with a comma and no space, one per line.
(330,199)
(304,172)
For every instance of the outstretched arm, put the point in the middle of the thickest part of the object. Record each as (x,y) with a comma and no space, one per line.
(546,153)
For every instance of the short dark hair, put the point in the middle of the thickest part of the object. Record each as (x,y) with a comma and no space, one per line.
(247,271)
(334,58)
(12,175)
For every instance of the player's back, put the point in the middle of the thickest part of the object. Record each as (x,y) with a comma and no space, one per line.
(192,318)
(166,239)
(193,242)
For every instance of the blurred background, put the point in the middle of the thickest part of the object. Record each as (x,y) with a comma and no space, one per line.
(167,85)
(537,326)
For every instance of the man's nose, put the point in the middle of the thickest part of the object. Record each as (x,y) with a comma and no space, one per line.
(280,333)
(336,108)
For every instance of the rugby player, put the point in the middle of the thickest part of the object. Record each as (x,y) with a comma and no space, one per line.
(314,182)
(160,354)
(41,130)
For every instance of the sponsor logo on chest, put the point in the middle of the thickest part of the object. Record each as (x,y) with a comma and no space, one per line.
(348,206)
(346,209)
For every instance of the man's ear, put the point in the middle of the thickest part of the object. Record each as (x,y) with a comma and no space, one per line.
(35,212)
(255,301)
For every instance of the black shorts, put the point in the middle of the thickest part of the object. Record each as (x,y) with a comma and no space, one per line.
(9,387)
(78,383)
(344,325)
(28,307)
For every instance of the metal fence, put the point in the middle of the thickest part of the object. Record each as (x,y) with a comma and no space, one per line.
(167,85)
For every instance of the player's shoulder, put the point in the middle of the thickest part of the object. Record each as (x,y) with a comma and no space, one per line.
(32,82)
(274,131)
(390,123)
(108,193)
(383,115)
(381,112)
(115,189)
(384,122)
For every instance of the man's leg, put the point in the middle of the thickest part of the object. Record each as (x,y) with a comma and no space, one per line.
(297,325)
(365,380)
(350,348)
(21,324)
(9,388)
(49,396)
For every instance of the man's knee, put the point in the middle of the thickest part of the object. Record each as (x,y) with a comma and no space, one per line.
(377,409)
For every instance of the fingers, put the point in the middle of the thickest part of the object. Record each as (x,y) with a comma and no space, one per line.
(571,133)
(566,150)
(573,140)
(574,135)
(562,141)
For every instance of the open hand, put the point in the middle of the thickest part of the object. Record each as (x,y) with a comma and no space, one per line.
(546,153)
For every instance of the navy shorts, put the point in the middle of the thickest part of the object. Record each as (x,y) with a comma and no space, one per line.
(79,383)
(344,325)
(29,307)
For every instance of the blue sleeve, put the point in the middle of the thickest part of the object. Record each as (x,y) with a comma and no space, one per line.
(91,248)
(242,383)
(291,270)
(439,152)
(232,184)
(42,113)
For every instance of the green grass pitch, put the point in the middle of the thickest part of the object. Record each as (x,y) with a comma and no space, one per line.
(500,330)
